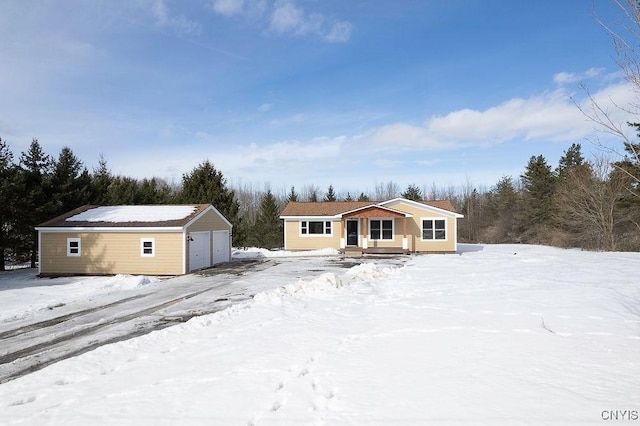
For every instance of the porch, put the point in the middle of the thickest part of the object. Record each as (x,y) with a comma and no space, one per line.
(374,230)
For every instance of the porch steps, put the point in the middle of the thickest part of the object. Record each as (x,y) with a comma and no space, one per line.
(359,251)
(352,251)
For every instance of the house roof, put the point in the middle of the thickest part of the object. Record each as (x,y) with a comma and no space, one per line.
(127,216)
(333,208)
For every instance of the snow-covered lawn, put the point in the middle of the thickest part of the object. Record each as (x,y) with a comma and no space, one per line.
(504,334)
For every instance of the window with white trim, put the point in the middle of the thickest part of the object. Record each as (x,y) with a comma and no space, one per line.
(381,229)
(315,227)
(74,247)
(147,247)
(434,229)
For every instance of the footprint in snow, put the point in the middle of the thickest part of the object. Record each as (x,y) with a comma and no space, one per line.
(24,401)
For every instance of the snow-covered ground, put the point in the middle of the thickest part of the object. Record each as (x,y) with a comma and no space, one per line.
(506,334)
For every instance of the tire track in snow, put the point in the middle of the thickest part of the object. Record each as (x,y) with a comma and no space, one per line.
(81,333)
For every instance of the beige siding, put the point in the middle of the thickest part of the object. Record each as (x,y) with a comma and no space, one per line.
(110,253)
(295,241)
(210,221)
(414,229)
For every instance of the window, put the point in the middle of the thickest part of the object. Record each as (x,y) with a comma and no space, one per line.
(381,229)
(73,247)
(315,227)
(147,247)
(434,229)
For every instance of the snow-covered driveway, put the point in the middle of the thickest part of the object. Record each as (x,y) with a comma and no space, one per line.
(41,325)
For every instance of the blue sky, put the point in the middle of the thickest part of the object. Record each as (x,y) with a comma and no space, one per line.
(306,92)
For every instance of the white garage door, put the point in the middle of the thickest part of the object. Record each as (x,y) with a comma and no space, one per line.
(221,250)
(199,250)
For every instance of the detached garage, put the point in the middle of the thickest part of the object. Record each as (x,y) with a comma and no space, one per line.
(146,240)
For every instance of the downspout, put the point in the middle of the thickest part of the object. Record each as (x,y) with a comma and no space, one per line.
(39,252)
(184,251)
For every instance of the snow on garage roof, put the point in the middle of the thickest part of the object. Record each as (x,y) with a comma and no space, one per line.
(119,214)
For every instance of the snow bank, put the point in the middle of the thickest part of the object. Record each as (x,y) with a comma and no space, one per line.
(123,282)
(23,294)
(325,285)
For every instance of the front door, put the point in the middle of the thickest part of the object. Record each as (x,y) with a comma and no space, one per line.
(352,232)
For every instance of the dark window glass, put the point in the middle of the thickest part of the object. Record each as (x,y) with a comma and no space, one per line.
(147,247)
(316,228)
(387,230)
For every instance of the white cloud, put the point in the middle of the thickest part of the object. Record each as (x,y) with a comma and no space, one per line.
(289,18)
(570,78)
(286,17)
(388,163)
(177,23)
(402,135)
(228,7)
(340,32)
(551,116)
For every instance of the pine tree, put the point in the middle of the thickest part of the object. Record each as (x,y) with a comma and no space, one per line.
(154,191)
(539,186)
(503,207)
(268,231)
(571,158)
(349,198)
(630,166)
(412,193)
(123,191)
(293,197)
(206,185)
(8,196)
(101,179)
(36,202)
(331,195)
(70,181)
(313,195)
(363,197)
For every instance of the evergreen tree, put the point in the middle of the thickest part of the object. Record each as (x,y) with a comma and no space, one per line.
(331,195)
(154,191)
(539,186)
(503,208)
(349,197)
(8,195)
(363,197)
(293,197)
(571,158)
(123,191)
(101,179)
(70,181)
(35,204)
(630,166)
(206,185)
(412,193)
(268,230)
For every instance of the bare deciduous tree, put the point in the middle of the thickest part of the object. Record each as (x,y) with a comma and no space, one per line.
(625,39)
(586,204)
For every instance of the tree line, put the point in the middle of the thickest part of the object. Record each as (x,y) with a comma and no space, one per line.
(36,187)
(591,204)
